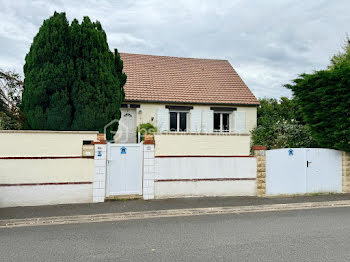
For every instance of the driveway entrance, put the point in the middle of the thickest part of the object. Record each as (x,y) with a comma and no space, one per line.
(303,170)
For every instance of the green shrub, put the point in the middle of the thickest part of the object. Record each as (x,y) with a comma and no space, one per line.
(280,125)
(145,129)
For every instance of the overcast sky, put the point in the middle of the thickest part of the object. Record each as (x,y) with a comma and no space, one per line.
(269,42)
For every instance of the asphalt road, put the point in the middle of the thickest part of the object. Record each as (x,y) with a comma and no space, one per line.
(306,235)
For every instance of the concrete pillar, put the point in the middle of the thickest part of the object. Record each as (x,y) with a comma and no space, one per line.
(148,168)
(99,184)
(346,172)
(260,154)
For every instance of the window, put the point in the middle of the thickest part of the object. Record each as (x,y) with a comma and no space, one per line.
(222,122)
(178,121)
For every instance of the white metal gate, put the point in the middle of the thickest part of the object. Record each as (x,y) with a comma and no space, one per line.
(124,169)
(303,170)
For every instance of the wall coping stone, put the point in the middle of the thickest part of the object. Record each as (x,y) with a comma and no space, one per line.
(259,147)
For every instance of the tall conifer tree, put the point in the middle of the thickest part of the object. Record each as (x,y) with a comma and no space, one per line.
(48,77)
(72,80)
(98,78)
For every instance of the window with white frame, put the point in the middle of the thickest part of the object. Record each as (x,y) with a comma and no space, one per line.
(178,121)
(178,118)
(222,121)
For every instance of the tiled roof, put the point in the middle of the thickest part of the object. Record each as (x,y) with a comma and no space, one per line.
(183,80)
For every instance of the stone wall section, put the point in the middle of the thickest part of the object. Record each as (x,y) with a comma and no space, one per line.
(260,154)
(346,172)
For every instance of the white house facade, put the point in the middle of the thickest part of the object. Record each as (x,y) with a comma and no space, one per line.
(185,96)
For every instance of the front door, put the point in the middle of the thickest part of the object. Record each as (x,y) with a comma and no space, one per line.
(127,126)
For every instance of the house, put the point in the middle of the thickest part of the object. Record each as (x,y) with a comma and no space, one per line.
(185,96)
(203,112)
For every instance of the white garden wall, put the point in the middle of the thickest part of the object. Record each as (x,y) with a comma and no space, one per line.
(187,144)
(45,167)
(205,167)
(43,143)
(204,176)
(55,170)
(178,189)
(45,194)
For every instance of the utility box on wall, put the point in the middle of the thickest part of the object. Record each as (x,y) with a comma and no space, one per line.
(88,149)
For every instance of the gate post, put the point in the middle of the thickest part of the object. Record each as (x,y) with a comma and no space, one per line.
(260,154)
(346,172)
(148,167)
(99,184)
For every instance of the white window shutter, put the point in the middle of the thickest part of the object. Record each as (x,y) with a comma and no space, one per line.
(163,119)
(207,121)
(195,120)
(239,119)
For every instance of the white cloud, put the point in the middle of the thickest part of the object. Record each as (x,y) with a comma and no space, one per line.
(268,42)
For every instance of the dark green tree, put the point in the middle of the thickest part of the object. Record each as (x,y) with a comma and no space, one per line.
(324,100)
(97,90)
(48,74)
(72,80)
